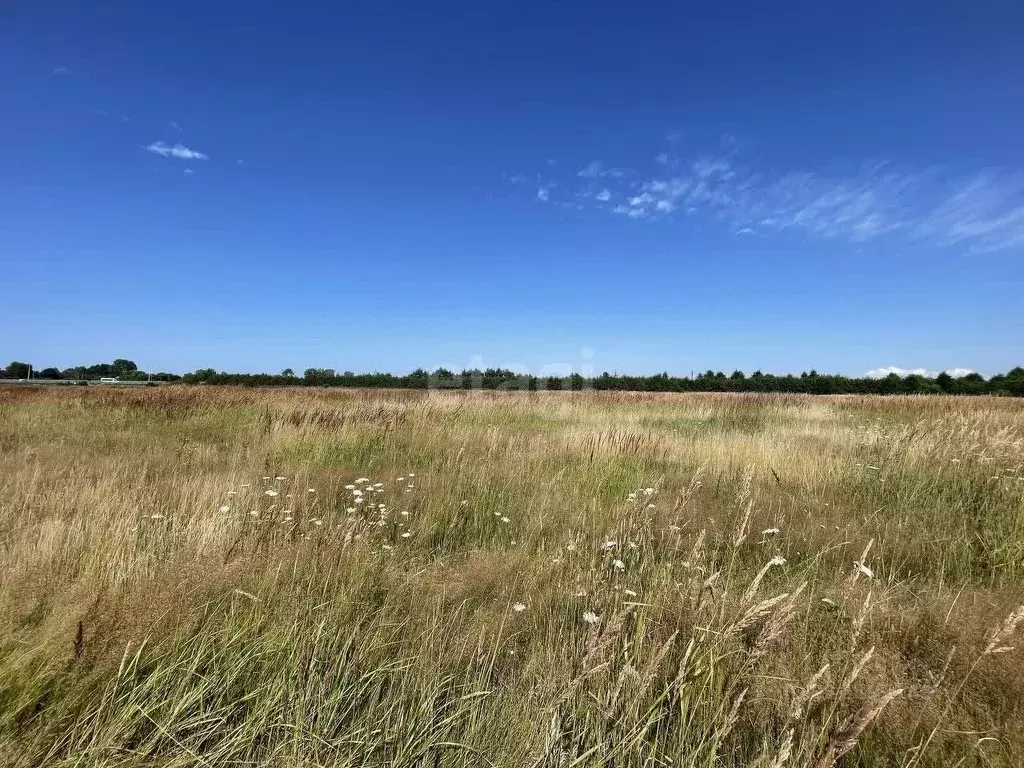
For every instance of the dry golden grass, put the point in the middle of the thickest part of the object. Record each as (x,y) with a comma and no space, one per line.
(547,579)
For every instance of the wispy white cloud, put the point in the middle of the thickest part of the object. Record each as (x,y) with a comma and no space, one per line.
(881,373)
(631,211)
(985,211)
(980,212)
(176,127)
(977,212)
(596,169)
(179,151)
(60,70)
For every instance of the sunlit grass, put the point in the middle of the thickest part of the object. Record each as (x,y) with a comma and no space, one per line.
(196,576)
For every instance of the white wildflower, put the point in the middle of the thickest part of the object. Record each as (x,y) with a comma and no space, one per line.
(777,560)
(270,492)
(317,522)
(232,493)
(311,490)
(618,565)
(279,477)
(350,487)
(591,618)
(770,532)
(629,592)
(225,508)
(610,544)
(505,519)
(406,535)
(518,607)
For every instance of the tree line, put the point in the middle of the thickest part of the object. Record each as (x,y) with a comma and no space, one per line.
(811,382)
(125,370)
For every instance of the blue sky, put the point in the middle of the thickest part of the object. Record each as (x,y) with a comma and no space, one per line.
(619,186)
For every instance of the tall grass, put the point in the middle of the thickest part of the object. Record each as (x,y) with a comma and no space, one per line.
(193,576)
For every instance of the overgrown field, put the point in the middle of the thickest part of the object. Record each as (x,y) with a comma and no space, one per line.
(228,577)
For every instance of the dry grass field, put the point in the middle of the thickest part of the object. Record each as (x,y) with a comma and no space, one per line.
(228,577)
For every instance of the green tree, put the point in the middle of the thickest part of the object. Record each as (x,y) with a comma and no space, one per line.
(122,366)
(17,370)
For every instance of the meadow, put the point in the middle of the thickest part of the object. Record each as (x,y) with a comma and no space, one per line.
(221,576)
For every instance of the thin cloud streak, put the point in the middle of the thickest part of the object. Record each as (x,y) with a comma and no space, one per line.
(979,212)
(985,212)
(179,151)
